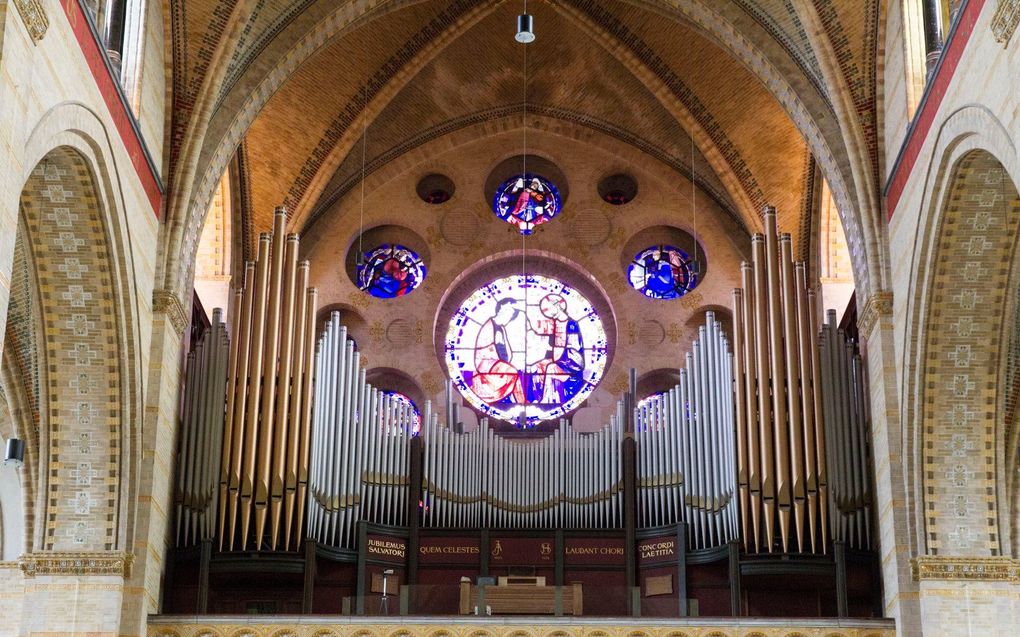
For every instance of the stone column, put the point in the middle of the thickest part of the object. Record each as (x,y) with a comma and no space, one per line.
(154,503)
(900,591)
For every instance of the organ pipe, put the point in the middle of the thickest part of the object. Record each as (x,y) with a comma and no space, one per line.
(685,443)
(779,383)
(846,427)
(804,465)
(267,401)
(359,439)
(563,480)
(201,434)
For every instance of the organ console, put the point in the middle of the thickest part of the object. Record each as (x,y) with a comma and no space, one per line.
(766,444)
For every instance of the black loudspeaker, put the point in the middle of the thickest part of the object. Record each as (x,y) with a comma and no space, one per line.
(15,452)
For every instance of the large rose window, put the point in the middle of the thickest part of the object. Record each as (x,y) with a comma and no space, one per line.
(526,349)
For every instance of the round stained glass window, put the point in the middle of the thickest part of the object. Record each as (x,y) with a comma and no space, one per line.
(390,270)
(401,402)
(663,272)
(526,350)
(526,201)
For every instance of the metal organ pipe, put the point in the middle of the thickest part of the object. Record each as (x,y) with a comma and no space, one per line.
(360,444)
(846,420)
(201,436)
(266,396)
(806,456)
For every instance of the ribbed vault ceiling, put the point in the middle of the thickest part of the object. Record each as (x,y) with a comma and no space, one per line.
(415,71)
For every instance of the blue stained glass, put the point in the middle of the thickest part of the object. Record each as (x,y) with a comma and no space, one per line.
(526,201)
(390,270)
(526,350)
(662,272)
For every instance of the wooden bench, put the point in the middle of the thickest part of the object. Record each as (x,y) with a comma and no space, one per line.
(521,599)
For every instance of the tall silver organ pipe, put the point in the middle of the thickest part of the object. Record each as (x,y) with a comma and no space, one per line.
(564,480)
(781,447)
(264,461)
(359,461)
(846,424)
(685,439)
(201,435)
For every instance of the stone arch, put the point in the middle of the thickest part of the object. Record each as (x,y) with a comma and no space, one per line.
(77,134)
(964,246)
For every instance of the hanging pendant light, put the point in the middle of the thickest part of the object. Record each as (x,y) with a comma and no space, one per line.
(525,29)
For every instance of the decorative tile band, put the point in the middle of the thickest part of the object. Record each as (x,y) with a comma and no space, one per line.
(995,569)
(520,627)
(34,16)
(85,563)
(1005,20)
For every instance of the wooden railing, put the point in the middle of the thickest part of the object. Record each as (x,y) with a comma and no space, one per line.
(293,626)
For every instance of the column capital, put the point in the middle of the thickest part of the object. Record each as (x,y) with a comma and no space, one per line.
(875,307)
(165,302)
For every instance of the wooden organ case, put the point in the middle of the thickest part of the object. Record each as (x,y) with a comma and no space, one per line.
(300,486)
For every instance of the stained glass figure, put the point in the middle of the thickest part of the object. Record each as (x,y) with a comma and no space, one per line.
(402,401)
(390,270)
(526,349)
(526,201)
(662,272)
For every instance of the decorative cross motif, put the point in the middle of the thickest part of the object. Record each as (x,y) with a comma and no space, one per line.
(73,268)
(67,242)
(76,296)
(82,384)
(961,356)
(961,385)
(82,502)
(959,445)
(63,217)
(56,193)
(80,324)
(967,299)
(83,474)
(82,354)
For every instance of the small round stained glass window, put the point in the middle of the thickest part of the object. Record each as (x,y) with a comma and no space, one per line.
(406,410)
(390,270)
(663,272)
(526,200)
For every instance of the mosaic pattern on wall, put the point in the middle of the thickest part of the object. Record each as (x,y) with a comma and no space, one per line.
(962,359)
(82,397)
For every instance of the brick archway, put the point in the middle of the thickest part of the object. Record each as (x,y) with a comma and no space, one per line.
(80,393)
(965,330)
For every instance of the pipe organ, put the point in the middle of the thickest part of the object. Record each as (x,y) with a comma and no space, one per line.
(264,465)
(201,439)
(685,445)
(564,480)
(846,423)
(360,435)
(768,444)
